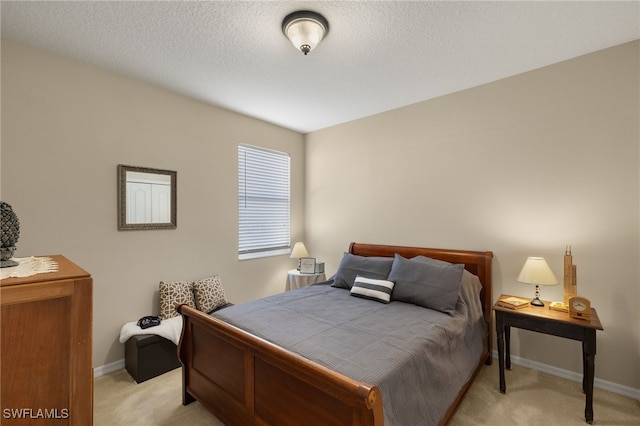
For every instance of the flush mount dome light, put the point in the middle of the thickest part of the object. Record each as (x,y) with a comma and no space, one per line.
(305,29)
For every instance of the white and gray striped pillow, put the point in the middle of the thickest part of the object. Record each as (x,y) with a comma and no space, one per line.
(373,289)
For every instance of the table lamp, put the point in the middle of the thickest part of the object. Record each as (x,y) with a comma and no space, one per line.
(299,250)
(537,271)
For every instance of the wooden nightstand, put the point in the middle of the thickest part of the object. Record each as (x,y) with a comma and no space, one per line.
(545,320)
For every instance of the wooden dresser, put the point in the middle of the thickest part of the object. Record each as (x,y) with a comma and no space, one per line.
(46,361)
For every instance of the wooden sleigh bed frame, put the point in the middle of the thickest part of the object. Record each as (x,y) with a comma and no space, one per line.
(245,380)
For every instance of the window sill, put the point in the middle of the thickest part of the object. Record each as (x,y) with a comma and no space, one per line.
(257,255)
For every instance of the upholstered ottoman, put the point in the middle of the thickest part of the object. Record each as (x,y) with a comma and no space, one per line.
(148,355)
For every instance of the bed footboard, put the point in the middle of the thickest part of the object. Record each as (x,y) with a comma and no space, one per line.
(245,380)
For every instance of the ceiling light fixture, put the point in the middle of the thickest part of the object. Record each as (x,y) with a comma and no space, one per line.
(305,29)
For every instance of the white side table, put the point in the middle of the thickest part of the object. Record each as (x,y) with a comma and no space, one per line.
(295,279)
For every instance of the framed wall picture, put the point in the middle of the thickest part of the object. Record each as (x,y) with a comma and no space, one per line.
(147,198)
(307,265)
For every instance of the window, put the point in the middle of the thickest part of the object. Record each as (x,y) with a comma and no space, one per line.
(263,202)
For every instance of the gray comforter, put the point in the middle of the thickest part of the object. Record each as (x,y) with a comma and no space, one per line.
(418,357)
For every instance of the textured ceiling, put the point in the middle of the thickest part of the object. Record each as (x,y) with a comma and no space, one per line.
(379,55)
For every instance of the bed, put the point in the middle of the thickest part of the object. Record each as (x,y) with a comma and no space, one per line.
(242,371)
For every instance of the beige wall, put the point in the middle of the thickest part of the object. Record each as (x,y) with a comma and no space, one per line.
(522,166)
(65,128)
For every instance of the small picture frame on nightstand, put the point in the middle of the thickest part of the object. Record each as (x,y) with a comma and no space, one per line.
(307,265)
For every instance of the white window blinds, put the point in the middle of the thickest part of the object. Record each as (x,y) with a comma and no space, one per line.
(263,202)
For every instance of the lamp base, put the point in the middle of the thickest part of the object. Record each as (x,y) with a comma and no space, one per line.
(537,302)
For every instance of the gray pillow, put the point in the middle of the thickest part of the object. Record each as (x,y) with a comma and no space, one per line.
(425,259)
(369,267)
(426,282)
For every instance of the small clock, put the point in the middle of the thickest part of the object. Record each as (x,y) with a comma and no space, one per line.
(580,308)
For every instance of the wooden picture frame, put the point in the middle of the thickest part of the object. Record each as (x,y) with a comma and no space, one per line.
(129,219)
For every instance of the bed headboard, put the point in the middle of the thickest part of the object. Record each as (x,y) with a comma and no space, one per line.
(476,262)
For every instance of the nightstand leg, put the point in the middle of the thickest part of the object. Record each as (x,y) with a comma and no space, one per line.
(500,335)
(589,358)
(507,344)
(584,367)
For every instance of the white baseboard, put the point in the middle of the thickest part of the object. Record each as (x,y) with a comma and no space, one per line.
(108,368)
(573,376)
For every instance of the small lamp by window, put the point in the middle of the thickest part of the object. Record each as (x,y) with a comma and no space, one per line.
(537,271)
(299,250)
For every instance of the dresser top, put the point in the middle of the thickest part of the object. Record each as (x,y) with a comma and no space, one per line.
(66,270)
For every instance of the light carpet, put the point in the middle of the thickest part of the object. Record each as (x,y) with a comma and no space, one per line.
(533,398)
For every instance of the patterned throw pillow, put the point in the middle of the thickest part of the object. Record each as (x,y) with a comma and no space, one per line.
(209,294)
(173,292)
(372,289)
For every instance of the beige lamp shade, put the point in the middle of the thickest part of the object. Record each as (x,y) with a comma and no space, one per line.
(299,250)
(536,270)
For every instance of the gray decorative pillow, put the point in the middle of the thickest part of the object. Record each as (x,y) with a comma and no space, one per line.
(426,282)
(369,288)
(173,292)
(370,267)
(425,259)
(209,294)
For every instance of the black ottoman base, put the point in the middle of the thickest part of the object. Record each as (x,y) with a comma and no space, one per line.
(148,355)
